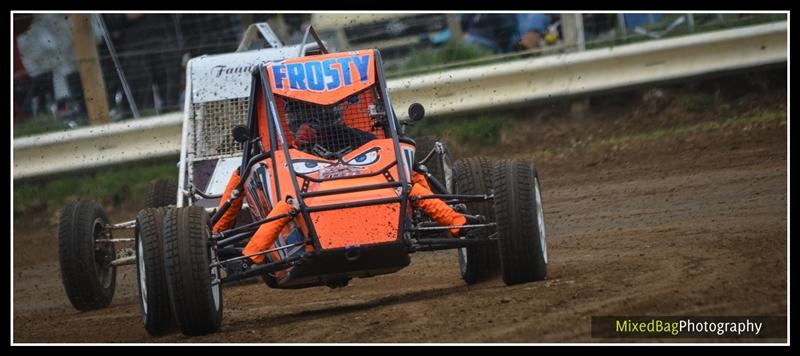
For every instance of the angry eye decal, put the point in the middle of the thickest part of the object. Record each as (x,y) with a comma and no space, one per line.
(308,166)
(365,158)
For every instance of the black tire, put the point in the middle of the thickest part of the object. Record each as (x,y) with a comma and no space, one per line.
(189,280)
(438,166)
(153,294)
(474,176)
(520,222)
(161,192)
(88,276)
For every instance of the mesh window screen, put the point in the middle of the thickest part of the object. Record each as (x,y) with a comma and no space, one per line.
(331,131)
(214,122)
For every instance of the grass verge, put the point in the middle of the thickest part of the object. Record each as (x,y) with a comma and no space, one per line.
(110,186)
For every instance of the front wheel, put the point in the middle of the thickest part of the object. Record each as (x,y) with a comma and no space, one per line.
(194,287)
(473,176)
(520,222)
(85,259)
(153,294)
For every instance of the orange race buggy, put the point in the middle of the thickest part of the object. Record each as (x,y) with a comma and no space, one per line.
(333,191)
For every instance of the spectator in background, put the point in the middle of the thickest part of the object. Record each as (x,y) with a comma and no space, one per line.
(494,32)
(638,20)
(153,50)
(599,27)
(297,36)
(211,33)
(47,54)
(531,28)
(22,81)
(150,57)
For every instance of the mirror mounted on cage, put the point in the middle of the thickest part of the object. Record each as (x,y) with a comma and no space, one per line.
(240,134)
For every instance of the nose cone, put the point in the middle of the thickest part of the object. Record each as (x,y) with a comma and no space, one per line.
(364,225)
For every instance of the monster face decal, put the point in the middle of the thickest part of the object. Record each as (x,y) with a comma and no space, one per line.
(363,161)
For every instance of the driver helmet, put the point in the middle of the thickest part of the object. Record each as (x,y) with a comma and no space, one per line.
(316,116)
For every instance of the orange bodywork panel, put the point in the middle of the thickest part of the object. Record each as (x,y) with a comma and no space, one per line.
(372,224)
(323,79)
(357,226)
(342,227)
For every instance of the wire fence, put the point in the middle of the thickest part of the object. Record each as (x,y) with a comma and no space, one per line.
(152,49)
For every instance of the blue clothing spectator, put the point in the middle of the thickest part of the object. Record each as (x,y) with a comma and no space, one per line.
(634,20)
(494,32)
(532,22)
(530,30)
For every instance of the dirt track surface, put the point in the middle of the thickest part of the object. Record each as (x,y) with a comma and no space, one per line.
(686,224)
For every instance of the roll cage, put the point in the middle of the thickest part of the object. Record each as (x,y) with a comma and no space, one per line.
(257,148)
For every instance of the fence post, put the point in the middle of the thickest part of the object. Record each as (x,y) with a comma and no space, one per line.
(455,28)
(623,29)
(94,89)
(572,27)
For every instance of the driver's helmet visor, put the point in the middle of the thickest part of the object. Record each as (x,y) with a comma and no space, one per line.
(332,130)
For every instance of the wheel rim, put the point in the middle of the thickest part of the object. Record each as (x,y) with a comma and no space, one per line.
(540,217)
(102,256)
(447,167)
(215,282)
(462,259)
(142,272)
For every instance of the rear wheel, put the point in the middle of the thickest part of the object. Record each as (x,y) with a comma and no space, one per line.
(153,293)
(474,176)
(520,222)
(194,288)
(85,261)
(161,192)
